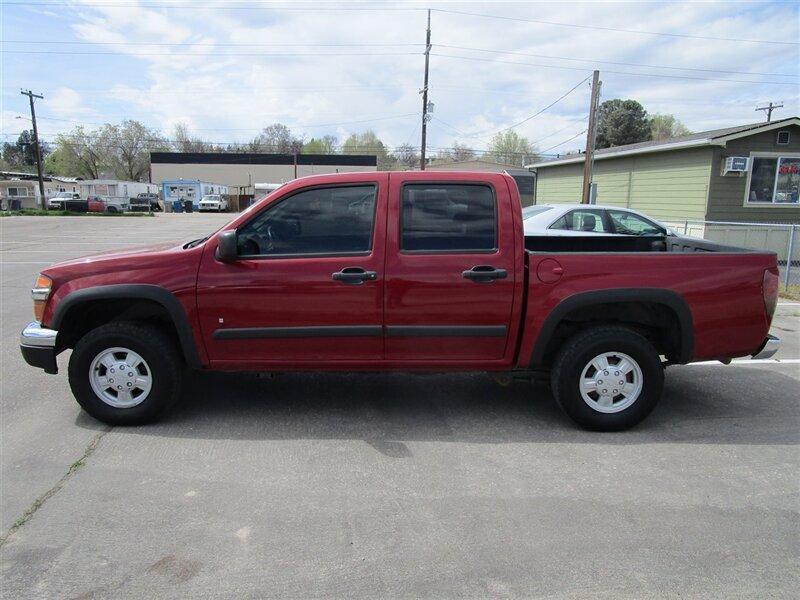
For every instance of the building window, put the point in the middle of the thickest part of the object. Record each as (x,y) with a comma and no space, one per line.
(783,138)
(17,191)
(775,180)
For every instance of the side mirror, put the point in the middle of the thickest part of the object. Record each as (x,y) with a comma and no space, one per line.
(227,250)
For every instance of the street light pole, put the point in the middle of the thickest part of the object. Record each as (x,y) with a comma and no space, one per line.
(31,96)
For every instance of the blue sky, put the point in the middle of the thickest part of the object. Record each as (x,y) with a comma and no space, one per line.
(227,69)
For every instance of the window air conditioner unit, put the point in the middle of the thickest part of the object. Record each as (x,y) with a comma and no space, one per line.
(735,164)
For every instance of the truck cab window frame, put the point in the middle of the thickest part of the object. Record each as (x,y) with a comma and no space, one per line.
(440,217)
(290,226)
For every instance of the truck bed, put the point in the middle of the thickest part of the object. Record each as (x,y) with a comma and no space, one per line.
(718,288)
(618,243)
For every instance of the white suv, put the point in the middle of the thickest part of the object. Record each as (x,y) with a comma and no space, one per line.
(213,202)
(58,201)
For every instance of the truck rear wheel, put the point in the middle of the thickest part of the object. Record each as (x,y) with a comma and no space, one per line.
(125,373)
(607,378)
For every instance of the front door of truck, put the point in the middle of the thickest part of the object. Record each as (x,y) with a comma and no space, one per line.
(450,275)
(308,285)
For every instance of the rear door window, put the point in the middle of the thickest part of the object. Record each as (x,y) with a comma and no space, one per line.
(448,218)
(628,223)
(587,220)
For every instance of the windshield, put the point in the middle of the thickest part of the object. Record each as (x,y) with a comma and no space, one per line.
(529,211)
(210,198)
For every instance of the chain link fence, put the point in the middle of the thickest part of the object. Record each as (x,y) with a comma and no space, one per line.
(781,238)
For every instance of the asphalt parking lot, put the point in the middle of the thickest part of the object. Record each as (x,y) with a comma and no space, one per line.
(379,486)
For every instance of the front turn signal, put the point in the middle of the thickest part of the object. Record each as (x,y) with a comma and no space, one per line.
(40,293)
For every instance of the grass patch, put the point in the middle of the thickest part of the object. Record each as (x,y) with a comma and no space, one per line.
(790,293)
(38,502)
(37,212)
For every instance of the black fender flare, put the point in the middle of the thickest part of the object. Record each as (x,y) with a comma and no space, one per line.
(154,293)
(668,298)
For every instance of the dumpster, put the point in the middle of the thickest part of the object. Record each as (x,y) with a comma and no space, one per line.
(187,206)
(177,206)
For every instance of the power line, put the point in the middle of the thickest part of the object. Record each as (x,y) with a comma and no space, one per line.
(661,75)
(213,44)
(620,30)
(199,55)
(608,62)
(224,6)
(564,142)
(386,118)
(537,113)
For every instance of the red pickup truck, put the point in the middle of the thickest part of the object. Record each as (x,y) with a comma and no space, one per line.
(416,271)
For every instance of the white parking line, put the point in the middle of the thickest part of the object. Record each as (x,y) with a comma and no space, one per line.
(754,361)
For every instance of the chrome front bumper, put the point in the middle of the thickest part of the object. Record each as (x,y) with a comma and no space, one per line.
(770,347)
(38,347)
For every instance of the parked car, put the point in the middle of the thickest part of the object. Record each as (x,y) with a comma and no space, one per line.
(414,271)
(145,202)
(58,202)
(588,219)
(213,202)
(117,204)
(96,204)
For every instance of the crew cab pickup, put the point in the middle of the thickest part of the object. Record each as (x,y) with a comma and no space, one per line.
(413,271)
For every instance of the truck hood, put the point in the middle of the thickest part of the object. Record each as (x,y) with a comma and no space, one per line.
(117,254)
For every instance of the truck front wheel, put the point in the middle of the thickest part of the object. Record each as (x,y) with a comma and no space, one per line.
(607,378)
(125,373)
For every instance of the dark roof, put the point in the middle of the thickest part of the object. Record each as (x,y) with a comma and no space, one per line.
(256,158)
(699,136)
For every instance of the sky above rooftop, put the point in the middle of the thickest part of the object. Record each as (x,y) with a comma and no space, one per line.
(227,69)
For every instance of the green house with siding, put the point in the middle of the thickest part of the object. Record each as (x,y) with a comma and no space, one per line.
(749,173)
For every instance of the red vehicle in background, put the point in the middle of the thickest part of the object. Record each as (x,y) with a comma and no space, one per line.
(412,271)
(96,204)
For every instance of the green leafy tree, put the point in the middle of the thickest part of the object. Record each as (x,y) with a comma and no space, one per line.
(78,153)
(128,146)
(368,143)
(22,153)
(663,127)
(511,148)
(621,122)
(324,145)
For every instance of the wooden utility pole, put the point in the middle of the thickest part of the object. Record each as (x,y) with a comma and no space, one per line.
(425,95)
(768,109)
(591,133)
(31,96)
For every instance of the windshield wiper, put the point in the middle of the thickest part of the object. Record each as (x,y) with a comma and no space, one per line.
(194,243)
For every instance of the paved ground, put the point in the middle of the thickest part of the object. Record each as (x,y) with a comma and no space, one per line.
(388,485)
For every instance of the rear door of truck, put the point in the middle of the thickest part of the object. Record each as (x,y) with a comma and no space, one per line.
(451,268)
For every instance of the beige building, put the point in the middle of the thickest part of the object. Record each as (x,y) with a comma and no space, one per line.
(25,188)
(241,171)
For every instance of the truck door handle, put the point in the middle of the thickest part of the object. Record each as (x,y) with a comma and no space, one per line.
(354,275)
(484,274)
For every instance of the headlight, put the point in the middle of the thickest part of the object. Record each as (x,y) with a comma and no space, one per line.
(40,293)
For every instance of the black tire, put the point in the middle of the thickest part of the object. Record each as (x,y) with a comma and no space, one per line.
(112,209)
(158,351)
(578,352)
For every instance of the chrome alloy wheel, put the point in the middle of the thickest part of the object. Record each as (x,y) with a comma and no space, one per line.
(120,377)
(611,382)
